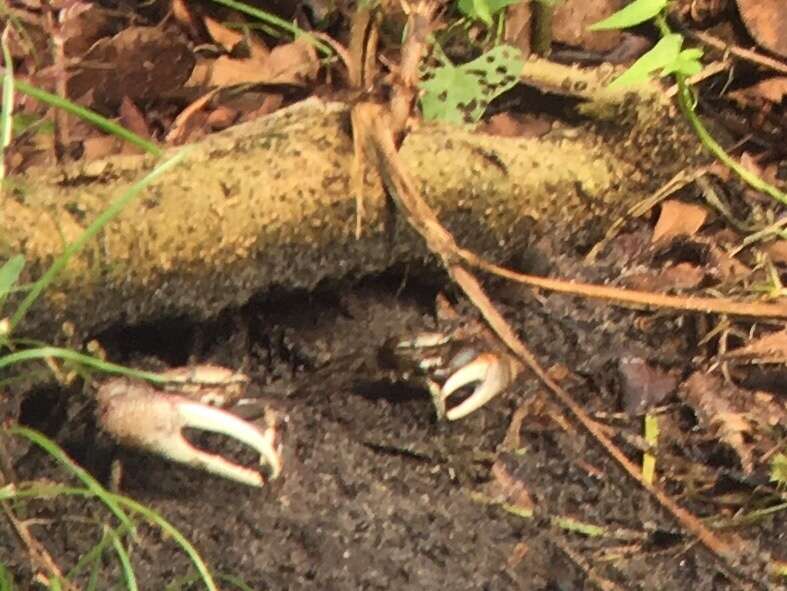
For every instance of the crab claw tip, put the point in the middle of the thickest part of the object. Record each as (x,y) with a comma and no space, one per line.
(493,375)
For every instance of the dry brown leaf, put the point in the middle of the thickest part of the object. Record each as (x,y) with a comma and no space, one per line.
(771,348)
(509,124)
(224,36)
(222,117)
(295,63)
(777,251)
(726,267)
(82,24)
(766,21)
(681,276)
(771,89)
(100,146)
(142,63)
(573,17)
(643,385)
(519,24)
(750,163)
(229,71)
(183,15)
(132,118)
(184,123)
(506,487)
(678,219)
(720,407)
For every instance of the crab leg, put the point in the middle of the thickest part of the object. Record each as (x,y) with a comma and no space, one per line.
(137,415)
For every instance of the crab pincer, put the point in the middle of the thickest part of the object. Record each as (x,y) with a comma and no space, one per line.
(139,415)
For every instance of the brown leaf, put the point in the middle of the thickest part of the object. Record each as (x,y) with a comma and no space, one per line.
(185,122)
(509,124)
(766,21)
(100,146)
(507,487)
(183,15)
(133,119)
(720,407)
(678,219)
(222,117)
(681,276)
(295,63)
(573,17)
(771,89)
(82,24)
(771,348)
(726,267)
(224,36)
(777,250)
(643,385)
(139,62)
(519,24)
(229,71)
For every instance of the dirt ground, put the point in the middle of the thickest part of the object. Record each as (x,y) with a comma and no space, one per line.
(377,494)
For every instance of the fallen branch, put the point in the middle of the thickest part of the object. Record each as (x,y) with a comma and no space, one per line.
(271,204)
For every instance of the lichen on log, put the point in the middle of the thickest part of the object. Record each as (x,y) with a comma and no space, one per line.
(269,204)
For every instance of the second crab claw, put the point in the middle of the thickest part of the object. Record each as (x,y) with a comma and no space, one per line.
(138,415)
(449,364)
(492,373)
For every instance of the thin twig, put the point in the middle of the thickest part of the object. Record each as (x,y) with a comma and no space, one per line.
(739,52)
(440,241)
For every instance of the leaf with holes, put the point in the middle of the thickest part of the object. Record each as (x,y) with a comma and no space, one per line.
(461,94)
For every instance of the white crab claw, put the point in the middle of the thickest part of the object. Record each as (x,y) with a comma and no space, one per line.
(493,375)
(138,415)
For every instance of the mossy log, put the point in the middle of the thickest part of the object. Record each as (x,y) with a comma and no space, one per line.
(270,204)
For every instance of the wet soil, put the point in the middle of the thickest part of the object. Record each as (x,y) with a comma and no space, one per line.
(376,493)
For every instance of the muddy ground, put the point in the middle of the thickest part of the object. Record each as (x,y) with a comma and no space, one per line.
(376,493)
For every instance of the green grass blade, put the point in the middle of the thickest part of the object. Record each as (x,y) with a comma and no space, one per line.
(125,563)
(172,532)
(13,492)
(274,20)
(90,116)
(93,556)
(90,483)
(81,358)
(6,580)
(90,232)
(9,274)
(6,115)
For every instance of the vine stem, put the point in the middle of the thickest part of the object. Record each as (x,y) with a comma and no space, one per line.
(685,101)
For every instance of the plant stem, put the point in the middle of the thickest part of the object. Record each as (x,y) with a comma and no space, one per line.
(685,101)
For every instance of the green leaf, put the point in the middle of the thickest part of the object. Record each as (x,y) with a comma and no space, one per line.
(25,121)
(687,63)
(9,274)
(460,94)
(483,10)
(635,13)
(663,55)
(779,469)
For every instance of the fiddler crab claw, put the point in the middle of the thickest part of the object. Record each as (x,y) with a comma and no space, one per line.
(448,364)
(137,414)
